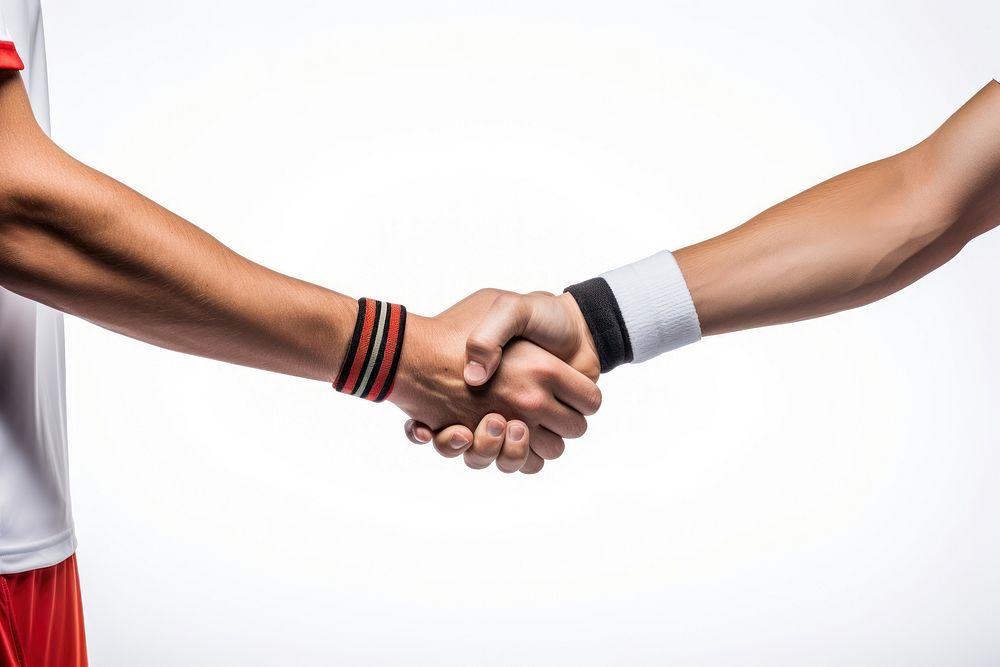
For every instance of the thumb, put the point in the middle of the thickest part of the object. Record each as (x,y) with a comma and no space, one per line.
(508,317)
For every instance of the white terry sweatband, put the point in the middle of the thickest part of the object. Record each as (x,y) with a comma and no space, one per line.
(655,305)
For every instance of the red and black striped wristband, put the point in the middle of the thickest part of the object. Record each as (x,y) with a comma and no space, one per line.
(370,365)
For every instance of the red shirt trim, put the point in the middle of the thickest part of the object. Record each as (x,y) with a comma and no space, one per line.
(8,56)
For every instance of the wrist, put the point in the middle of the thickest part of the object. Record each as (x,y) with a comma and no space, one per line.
(429,379)
(655,304)
(605,326)
(410,375)
(372,359)
(585,358)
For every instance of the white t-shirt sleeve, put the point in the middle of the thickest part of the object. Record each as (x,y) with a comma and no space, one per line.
(655,304)
(9,57)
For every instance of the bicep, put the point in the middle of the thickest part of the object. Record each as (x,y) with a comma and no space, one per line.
(25,150)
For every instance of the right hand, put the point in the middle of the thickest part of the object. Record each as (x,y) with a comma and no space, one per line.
(552,322)
(533,387)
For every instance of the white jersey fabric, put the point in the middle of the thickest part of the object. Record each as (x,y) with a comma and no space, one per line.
(36,521)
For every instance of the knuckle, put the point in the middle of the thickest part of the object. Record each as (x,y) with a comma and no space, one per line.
(484,454)
(480,342)
(513,306)
(538,368)
(487,292)
(531,401)
(512,457)
(507,300)
(594,399)
(545,370)
(487,446)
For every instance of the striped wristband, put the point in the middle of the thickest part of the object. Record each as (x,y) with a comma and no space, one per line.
(373,356)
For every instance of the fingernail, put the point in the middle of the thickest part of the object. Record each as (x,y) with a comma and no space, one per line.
(494,428)
(458,441)
(475,372)
(516,432)
(411,433)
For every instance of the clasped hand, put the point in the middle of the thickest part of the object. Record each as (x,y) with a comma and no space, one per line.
(499,377)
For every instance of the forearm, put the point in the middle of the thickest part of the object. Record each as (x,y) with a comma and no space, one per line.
(81,242)
(843,243)
(857,237)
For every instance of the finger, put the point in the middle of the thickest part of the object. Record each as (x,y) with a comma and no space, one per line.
(514,453)
(452,441)
(546,444)
(507,317)
(418,433)
(487,441)
(575,390)
(556,416)
(533,464)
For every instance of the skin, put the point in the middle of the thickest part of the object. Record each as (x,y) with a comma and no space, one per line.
(552,398)
(571,343)
(841,244)
(83,243)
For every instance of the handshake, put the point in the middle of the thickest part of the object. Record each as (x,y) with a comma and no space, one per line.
(508,377)
(505,377)
(499,377)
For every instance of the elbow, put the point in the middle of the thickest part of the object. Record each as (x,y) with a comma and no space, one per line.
(911,227)
(924,208)
(31,196)
(909,218)
(12,221)
(37,186)
(18,244)
(18,203)
(34,187)
(45,191)
(30,162)
(946,201)
(15,253)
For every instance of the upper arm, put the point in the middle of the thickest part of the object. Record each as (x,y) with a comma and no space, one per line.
(33,179)
(961,166)
(23,144)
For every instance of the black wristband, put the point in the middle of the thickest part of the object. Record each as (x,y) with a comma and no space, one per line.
(604,319)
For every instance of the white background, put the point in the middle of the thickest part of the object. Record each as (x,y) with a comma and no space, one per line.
(822,493)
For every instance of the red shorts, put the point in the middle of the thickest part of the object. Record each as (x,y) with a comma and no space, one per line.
(41,618)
